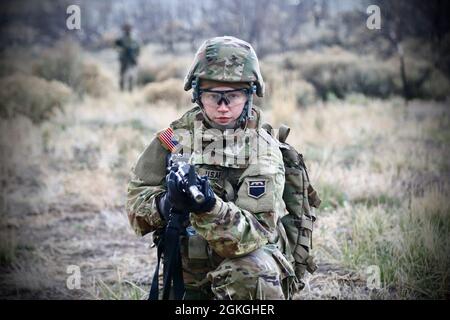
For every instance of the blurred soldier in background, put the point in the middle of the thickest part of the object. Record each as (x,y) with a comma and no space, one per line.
(128,57)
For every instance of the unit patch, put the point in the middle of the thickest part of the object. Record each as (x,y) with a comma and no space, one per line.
(256,188)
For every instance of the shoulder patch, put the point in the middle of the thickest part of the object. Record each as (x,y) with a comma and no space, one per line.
(167,139)
(256,188)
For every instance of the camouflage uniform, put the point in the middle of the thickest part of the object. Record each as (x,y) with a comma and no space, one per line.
(234,251)
(129,52)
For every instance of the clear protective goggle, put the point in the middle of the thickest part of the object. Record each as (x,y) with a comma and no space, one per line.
(231,98)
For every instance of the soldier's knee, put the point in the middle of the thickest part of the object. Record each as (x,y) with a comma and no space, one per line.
(254,276)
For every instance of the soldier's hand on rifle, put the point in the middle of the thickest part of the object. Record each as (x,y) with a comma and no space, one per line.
(173,199)
(176,194)
(163,204)
(179,196)
(210,199)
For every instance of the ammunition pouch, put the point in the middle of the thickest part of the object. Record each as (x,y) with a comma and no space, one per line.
(299,234)
(197,247)
(196,251)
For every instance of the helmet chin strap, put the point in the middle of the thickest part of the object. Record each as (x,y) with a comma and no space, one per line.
(246,114)
(244,117)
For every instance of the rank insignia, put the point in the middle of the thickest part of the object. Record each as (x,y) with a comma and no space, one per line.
(256,188)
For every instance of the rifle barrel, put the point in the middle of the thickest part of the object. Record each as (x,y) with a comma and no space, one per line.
(196,194)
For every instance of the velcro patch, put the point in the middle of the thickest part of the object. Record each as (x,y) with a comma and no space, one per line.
(168,140)
(256,188)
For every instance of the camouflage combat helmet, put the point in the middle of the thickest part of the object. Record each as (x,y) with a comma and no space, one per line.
(225,59)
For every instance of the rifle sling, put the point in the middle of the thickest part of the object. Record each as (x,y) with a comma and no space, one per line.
(169,247)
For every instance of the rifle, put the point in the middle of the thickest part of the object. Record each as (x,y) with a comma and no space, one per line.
(169,240)
(186,176)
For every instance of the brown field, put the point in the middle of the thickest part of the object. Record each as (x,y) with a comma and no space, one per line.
(381,167)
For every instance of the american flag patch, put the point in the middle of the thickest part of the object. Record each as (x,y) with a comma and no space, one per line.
(167,139)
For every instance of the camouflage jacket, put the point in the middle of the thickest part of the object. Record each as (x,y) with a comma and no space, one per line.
(129,50)
(248,189)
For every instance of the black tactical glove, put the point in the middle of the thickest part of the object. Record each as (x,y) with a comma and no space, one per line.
(175,194)
(182,200)
(210,199)
(163,205)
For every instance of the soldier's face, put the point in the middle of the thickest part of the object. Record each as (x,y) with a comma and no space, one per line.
(222,113)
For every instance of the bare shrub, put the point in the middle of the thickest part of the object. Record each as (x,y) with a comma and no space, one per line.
(154,67)
(32,97)
(335,72)
(15,61)
(93,82)
(305,93)
(338,72)
(170,91)
(65,62)
(174,68)
(146,74)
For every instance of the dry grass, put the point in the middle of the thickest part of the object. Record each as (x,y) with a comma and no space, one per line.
(157,67)
(120,289)
(169,92)
(382,170)
(335,72)
(32,97)
(380,167)
(8,248)
(66,62)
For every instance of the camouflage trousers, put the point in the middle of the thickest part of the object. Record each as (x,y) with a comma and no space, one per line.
(261,274)
(128,77)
